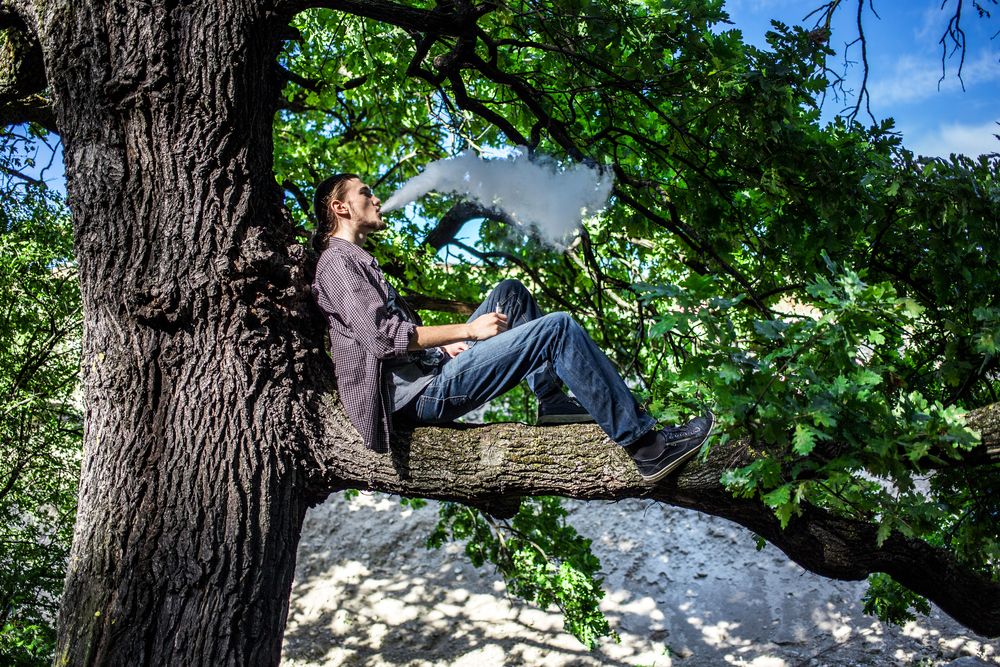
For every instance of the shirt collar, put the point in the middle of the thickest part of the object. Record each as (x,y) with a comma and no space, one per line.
(346,247)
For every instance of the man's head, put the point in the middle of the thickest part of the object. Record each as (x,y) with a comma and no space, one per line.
(345,207)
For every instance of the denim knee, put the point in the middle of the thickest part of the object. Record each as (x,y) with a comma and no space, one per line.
(559,320)
(510,286)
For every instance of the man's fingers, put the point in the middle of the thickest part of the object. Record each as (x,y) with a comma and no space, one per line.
(492,324)
(454,349)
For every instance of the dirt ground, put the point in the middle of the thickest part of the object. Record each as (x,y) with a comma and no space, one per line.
(682,588)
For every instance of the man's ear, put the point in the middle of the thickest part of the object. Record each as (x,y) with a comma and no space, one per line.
(340,208)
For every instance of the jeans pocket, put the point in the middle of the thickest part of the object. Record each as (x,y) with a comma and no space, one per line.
(445,408)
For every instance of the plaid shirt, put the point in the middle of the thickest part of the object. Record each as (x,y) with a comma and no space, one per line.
(351,291)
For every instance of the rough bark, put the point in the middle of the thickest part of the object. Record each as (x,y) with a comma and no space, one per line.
(196,328)
(211,422)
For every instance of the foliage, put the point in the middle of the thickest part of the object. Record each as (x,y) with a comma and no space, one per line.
(891,602)
(541,557)
(39,416)
(831,420)
(832,295)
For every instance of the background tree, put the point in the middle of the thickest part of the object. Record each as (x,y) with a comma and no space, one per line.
(39,414)
(833,295)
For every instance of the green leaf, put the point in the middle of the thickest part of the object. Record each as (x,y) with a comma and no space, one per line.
(804,439)
(884,530)
(866,377)
(729,373)
(778,496)
(892,603)
(780,500)
(840,385)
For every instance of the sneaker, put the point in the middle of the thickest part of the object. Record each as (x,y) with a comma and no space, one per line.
(562,410)
(680,443)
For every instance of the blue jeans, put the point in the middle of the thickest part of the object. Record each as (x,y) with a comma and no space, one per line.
(544,350)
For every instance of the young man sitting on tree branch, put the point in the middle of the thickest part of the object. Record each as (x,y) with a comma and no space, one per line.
(387,363)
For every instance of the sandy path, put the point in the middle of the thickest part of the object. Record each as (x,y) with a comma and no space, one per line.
(682,589)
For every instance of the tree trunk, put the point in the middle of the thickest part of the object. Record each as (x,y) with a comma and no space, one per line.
(211,420)
(191,495)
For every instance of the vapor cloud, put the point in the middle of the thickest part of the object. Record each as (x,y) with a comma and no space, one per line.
(537,194)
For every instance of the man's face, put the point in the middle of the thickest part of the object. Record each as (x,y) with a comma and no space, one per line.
(363,207)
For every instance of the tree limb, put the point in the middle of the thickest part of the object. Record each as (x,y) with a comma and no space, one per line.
(17,174)
(501,462)
(422,302)
(987,422)
(31,109)
(22,76)
(452,221)
(455,23)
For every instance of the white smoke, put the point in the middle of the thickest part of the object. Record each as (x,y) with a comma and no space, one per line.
(536,193)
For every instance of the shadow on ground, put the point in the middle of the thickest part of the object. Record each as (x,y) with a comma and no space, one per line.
(682,589)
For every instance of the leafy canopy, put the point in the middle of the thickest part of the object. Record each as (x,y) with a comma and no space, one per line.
(832,294)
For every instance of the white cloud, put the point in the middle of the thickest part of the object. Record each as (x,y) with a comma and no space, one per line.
(972,140)
(915,79)
(756,5)
(932,22)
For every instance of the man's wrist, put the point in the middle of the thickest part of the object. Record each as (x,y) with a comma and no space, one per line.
(467,332)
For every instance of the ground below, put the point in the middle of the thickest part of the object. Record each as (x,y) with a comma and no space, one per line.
(683,589)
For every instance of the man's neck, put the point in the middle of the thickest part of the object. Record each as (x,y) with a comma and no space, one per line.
(358,237)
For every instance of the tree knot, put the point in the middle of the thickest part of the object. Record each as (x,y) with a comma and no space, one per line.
(158,307)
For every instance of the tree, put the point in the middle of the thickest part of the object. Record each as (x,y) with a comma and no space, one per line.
(39,419)
(211,419)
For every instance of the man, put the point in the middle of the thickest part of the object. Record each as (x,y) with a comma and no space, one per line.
(388,363)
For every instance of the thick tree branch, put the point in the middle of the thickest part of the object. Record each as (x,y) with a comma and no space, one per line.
(22,76)
(422,302)
(17,174)
(543,285)
(300,197)
(452,221)
(987,422)
(31,109)
(456,22)
(498,462)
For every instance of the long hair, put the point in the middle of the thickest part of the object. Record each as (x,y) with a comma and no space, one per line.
(327,191)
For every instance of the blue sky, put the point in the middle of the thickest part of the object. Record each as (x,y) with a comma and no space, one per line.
(904,57)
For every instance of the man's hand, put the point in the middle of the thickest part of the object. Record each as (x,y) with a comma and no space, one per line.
(487,326)
(454,349)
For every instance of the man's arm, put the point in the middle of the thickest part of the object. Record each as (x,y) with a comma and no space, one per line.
(356,302)
(350,295)
(481,328)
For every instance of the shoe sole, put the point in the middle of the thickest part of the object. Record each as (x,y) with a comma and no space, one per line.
(550,420)
(682,459)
